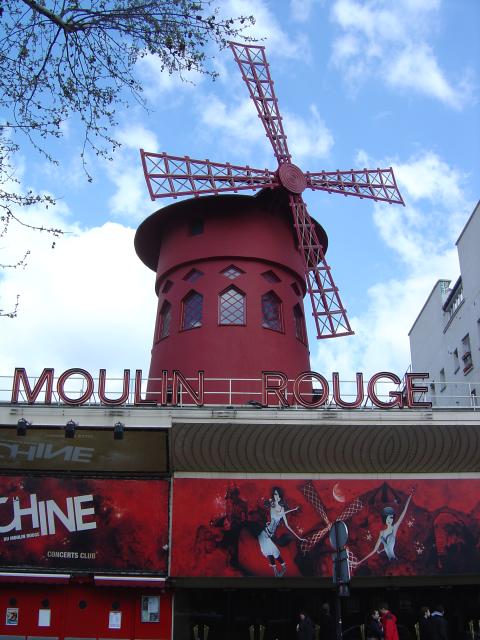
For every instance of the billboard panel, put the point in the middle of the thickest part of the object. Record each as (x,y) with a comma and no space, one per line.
(84,524)
(267,527)
(46,449)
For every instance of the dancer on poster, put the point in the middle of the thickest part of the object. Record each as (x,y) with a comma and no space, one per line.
(278,514)
(388,536)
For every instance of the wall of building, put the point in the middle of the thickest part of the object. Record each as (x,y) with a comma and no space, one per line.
(445,339)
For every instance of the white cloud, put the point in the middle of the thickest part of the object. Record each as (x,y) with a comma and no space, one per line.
(156,81)
(239,123)
(267,27)
(130,199)
(422,235)
(308,139)
(89,303)
(390,40)
(302,10)
(415,67)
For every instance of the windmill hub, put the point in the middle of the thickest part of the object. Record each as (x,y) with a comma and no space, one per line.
(291,177)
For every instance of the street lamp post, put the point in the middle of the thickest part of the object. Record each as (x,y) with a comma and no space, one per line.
(341,570)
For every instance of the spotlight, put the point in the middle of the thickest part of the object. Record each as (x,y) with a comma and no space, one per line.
(118,429)
(255,403)
(22,425)
(70,429)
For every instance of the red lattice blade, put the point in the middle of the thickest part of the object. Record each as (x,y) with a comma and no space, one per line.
(255,71)
(376,184)
(330,316)
(173,176)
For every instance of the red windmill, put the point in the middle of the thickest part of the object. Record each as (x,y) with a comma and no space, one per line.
(173,176)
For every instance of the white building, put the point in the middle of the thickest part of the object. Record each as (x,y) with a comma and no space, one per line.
(445,337)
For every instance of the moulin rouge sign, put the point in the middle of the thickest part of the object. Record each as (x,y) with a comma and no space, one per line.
(274,387)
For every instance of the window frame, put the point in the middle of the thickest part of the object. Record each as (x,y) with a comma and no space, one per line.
(161,321)
(244,299)
(303,326)
(190,294)
(275,295)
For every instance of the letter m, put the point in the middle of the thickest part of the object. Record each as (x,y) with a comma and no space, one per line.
(20,376)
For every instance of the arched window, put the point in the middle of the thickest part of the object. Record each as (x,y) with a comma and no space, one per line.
(164,320)
(300,330)
(192,310)
(232,307)
(272,311)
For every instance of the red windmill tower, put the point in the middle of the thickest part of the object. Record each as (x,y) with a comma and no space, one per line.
(240,236)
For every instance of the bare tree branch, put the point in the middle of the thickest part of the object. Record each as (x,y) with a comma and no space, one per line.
(64,58)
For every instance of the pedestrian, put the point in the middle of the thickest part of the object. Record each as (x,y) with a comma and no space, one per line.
(438,624)
(373,626)
(425,624)
(327,623)
(389,622)
(305,629)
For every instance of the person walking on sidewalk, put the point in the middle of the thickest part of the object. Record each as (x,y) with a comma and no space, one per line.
(305,630)
(389,622)
(438,624)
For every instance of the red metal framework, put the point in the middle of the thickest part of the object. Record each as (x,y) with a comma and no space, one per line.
(173,176)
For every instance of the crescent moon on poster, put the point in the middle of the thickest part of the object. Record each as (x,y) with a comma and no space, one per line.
(338,493)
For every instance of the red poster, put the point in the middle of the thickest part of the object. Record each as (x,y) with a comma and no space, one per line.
(265,527)
(73,523)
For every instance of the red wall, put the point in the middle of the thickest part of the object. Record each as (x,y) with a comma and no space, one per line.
(69,620)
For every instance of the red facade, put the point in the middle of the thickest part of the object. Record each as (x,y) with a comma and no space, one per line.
(81,611)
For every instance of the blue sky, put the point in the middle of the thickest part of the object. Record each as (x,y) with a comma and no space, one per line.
(360,84)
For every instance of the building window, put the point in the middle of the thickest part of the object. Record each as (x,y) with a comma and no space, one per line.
(443,383)
(232,272)
(272,311)
(296,289)
(167,286)
(454,300)
(165,320)
(193,275)
(456,361)
(270,276)
(300,330)
(467,354)
(150,609)
(195,227)
(232,307)
(474,396)
(192,310)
